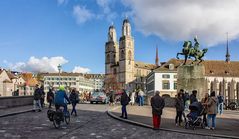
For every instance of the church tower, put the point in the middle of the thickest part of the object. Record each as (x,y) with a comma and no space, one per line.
(227,52)
(126,55)
(111,51)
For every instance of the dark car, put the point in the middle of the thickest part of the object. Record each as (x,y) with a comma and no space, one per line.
(98,97)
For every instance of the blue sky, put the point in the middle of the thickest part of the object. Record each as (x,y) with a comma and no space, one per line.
(40,34)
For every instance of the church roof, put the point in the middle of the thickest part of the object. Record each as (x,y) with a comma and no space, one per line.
(126,21)
(145,65)
(212,67)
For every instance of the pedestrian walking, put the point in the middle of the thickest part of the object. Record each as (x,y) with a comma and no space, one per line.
(179,104)
(212,110)
(157,104)
(50,97)
(42,96)
(193,97)
(220,103)
(74,99)
(205,101)
(112,98)
(132,97)
(124,100)
(141,98)
(37,99)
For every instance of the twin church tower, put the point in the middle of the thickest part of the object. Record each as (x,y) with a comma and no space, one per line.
(121,70)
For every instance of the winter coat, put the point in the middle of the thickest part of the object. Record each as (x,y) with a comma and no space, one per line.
(50,96)
(204,100)
(193,98)
(74,97)
(212,105)
(157,104)
(179,104)
(124,100)
(37,94)
(60,97)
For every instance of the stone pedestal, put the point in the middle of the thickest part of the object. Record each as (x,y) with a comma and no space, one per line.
(192,77)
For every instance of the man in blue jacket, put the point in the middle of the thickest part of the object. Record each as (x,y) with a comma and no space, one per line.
(61,98)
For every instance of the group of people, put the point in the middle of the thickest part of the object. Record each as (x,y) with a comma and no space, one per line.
(58,98)
(210,103)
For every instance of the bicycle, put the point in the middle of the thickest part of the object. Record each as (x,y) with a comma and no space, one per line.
(58,116)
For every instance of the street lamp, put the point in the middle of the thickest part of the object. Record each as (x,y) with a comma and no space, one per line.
(59,69)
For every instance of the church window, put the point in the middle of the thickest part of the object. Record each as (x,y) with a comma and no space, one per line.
(122,54)
(108,58)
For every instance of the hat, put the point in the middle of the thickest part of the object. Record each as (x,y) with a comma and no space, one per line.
(62,88)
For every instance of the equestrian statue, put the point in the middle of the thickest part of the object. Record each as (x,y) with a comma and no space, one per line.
(190,51)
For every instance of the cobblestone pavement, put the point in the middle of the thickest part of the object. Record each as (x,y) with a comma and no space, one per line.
(226,124)
(91,123)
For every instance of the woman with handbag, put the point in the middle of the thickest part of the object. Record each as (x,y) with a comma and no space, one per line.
(74,98)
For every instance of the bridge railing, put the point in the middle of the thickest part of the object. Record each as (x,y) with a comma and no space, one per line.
(14,101)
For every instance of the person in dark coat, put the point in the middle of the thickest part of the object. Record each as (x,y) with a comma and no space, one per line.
(157,104)
(124,101)
(37,99)
(193,97)
(50,97)
(112,98)
(74,98)
(179,104)
(42,96)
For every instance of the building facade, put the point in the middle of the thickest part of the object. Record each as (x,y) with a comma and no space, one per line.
(98,80)
(121,69)
(221,76)
(69,80)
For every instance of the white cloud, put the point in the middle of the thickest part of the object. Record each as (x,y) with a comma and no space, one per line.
(82,14)
(106,6)
(60,2)
(183,19)
(43,64)
(79,69)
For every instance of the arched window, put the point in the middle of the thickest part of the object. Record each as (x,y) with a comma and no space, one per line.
(122,54)
(108,58)
(129,55)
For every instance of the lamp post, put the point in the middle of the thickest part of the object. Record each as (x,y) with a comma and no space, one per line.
(59,69)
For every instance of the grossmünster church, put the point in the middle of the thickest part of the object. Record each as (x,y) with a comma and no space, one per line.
(121,69)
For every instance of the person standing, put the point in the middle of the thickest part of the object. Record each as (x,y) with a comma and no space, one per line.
(132,97)
(50,97)
(179,108)
(42,96)
(111,98)
(124,101)
(212,110)
(37,99)
(157,104)
(74,98)
(193,97)
(220,103)
(204,101)
(141,98)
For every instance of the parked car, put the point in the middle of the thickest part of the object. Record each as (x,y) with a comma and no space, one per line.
(98,97)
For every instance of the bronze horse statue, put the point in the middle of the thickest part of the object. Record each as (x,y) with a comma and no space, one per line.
(189,51)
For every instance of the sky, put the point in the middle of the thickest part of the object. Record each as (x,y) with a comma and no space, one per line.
(38,35)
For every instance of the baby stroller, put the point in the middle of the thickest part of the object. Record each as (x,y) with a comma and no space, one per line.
(194,118)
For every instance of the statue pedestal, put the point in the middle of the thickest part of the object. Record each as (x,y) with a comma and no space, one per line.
(192,77)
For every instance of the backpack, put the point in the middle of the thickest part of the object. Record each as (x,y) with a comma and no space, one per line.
(220,99)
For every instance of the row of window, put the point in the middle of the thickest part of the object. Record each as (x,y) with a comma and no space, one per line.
(61,83)
(167,76)
(166,86)
(59,78)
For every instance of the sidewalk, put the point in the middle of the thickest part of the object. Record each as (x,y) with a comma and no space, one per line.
(226,124)
(15,110)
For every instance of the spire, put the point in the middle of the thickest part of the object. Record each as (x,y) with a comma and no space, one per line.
(157,58)
(227,53)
